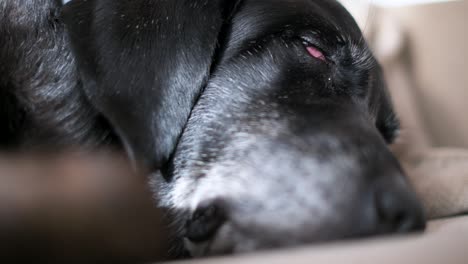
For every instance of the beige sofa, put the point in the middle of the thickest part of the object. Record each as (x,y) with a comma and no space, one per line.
(444,243)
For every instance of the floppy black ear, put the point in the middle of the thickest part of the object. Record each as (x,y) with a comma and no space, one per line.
(144,63)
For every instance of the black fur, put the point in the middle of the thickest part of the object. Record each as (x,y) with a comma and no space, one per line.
(176,81)
(144,63)
(128,54)
(41,97)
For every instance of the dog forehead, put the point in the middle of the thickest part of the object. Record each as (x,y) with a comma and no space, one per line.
(257,17)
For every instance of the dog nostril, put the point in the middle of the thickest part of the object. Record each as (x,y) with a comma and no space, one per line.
(205,222)
(399,212)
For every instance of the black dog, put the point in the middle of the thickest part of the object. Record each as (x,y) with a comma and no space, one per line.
(41,96)
(268,119)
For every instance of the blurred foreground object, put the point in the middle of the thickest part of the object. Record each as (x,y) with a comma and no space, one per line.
(76,208)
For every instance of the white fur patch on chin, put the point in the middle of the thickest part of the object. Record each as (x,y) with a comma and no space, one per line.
(289,178)
(236,181)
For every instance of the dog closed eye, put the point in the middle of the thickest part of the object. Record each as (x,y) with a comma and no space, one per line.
(314,50)
(316,53)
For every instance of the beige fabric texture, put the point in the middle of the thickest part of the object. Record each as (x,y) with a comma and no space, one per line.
(444,243)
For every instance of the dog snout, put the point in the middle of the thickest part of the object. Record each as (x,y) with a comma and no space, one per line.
(286,192)
(397,209)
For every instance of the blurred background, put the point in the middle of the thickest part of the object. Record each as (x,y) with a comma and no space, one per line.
(428,38)
(87,208)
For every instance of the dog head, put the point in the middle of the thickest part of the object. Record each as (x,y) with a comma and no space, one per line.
(287,143)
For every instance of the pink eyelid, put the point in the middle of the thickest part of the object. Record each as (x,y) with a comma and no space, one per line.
(316,53)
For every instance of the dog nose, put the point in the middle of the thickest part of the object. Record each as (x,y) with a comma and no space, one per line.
(398,211)
(205,221)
